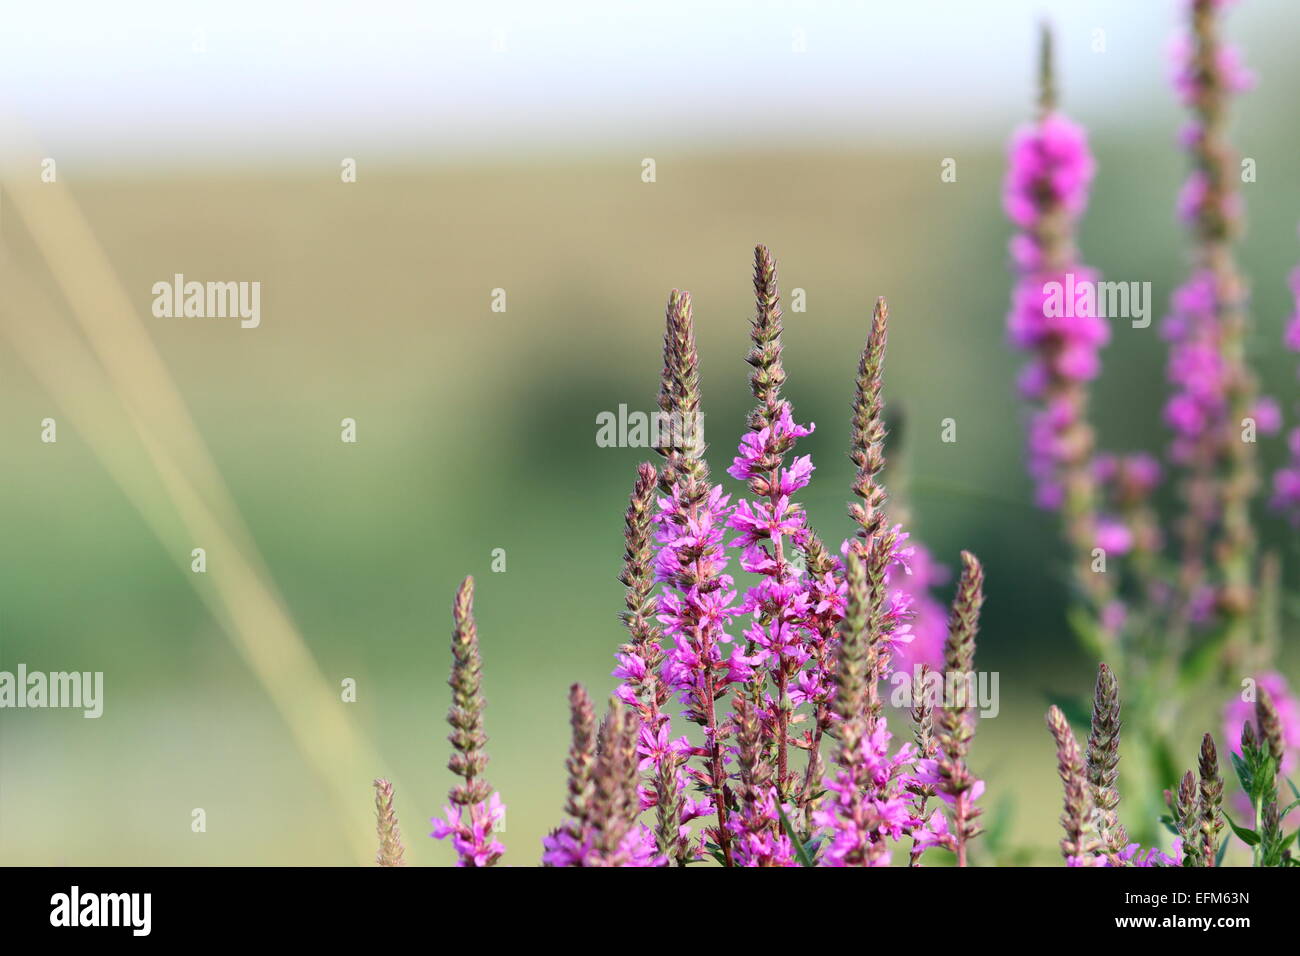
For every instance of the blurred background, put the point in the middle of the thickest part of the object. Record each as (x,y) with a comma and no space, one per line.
(501,146)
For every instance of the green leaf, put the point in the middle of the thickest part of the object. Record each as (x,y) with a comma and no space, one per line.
(1162,762)
(1243,772)
(1293,788)
(1249,837)
(800,848)
(1169,824)
(1223,850)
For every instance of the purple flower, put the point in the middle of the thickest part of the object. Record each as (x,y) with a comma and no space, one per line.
(1230,74)
(784,634)
(1134,855)
(1239,711)
(690,536)
(1286,481)
(1267,415)
(1198,409)
(472,837)
(637,848)
(1191,198)
(765,522)
(761,451)
(759,838)
(928,772)
(935,832)
(866,810)
(654,745)
(1143,471)
(1050,166)
(1051,317)
(1113,536)
(929,617)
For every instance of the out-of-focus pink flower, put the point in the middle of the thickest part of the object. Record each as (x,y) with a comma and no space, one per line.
(472,837)
(1239,711)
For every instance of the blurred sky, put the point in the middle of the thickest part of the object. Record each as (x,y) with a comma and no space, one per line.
(249,79)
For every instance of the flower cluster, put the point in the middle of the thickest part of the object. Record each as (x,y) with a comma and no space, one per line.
(1196,75)
(1197,412)
(1125,484)
(868,809)
(1240,710)
(603,805)
(788,758)
(928,628)
(472,836)
(759,840)
(1050,169)
(783,635)
(1214,391)
(696,611)
(823,632)
(1056,319)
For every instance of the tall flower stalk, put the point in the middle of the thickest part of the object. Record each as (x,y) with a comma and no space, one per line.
(1215,391)
(1210,792)
(927,748)
(891,611)
(1046,192)
(697,603)
(1102,761)
(1093,834)
(948,771)
(641,657)
(780,603)
(866,808)
(475,809)
(391,852)
(1080,843)
(760,840)
(603,804)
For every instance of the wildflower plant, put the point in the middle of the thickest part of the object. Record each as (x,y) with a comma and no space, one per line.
(1181,604)
(747,726)
(792,762)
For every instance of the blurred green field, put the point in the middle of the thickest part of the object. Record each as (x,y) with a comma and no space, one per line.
(477,431)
